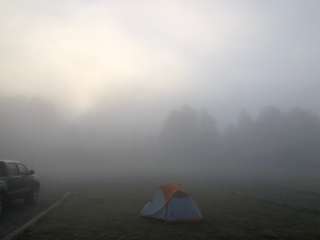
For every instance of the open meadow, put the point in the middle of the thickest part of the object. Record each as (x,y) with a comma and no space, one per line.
(110,210)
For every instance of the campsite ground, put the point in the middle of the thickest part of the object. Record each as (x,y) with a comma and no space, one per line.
(110,210)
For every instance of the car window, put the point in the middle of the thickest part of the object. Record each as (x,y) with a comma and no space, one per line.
(2,169)
(22,169)
(12,169)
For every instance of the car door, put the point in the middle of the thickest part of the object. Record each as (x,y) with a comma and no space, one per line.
(25,178)
(14,179)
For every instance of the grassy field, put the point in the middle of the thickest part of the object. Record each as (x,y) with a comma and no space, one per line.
(111,211)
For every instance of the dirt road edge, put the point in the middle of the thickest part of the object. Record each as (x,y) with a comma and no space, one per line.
(35,219)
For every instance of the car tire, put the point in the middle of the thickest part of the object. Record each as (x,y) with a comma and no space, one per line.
(32,197)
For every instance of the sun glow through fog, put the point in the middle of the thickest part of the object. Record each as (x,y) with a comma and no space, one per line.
(78,52)
(84,55)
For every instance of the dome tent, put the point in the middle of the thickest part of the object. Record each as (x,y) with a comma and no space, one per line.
(171,204)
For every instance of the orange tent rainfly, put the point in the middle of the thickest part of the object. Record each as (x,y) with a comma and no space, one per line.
(171,204)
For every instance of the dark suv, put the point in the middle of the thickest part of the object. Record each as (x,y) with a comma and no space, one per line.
(16,181)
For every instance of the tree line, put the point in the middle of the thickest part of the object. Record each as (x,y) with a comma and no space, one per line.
(190,141)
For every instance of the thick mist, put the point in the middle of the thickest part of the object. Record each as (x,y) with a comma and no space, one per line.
(183,88)
(188,143)
(224,56)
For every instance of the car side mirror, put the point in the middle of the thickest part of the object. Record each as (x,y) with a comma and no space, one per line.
(31,172)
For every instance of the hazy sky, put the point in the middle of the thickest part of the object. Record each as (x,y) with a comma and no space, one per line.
(223,55)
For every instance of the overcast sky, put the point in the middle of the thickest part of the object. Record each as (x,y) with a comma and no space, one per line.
(222,55)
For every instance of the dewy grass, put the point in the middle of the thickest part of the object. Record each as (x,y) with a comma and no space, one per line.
(112,212)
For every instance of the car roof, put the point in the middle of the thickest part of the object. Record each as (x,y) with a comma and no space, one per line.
(9,161)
